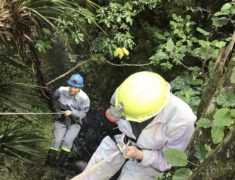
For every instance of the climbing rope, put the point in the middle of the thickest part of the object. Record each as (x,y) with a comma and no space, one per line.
(122,148)
(26,113)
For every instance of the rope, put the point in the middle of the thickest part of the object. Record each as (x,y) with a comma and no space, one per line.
(26,113)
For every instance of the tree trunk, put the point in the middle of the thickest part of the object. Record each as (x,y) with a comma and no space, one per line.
(39,75)
(216,81)
(221,163)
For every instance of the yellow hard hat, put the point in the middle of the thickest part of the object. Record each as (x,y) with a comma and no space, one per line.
(142,95)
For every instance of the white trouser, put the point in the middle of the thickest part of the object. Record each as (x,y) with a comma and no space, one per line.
(131,170)
(64,136)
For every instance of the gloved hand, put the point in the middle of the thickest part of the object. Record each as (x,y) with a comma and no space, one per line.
(67,113)
(133,152)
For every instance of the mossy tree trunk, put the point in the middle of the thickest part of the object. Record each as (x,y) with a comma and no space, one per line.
(39,74)
(221,162)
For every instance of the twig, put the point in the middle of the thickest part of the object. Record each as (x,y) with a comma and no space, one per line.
(83,62)
(29,85)
(113,64)
(66,73)
(186,67)
(192,163)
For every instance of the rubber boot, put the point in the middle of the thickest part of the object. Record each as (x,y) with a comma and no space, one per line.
(51,158)
(63,156)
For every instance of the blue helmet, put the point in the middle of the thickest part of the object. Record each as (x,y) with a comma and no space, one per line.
(76,80)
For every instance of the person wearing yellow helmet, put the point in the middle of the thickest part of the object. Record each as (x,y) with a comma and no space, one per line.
(153,119)
(142,96)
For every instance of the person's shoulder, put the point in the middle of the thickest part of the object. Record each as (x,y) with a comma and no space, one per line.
(182,107)
(178,113)
(83,95)
(180,103)
(63,89)
(178,106)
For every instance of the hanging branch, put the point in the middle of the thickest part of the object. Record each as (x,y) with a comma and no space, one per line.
(83,62)
(133,65)
(66,73)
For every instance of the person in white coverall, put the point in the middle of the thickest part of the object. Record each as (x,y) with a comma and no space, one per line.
(74,103)
(153,119)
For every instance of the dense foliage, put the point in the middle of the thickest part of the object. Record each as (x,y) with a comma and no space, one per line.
(179,39)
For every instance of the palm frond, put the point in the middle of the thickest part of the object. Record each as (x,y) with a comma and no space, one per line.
(22,136)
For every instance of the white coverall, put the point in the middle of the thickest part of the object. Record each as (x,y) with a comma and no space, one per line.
(66,129)
(171,128)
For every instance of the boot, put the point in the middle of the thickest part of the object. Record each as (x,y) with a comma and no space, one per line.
(63,156)
(51,158)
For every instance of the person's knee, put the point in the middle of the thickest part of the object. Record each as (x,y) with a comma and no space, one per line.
(76,126)
(108,140)
(134,170)
(59,125)
(56,143)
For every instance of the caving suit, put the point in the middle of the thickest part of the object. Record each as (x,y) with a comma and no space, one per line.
(171,128)
(66,129)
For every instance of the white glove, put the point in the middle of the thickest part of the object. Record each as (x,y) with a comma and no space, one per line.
(67,113)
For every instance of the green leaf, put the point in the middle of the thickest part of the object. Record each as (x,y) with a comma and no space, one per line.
(202,31)
(159,36)
(159,56)
(208,149)
(119,19)
(204,123)
(219,22)
(232,113)
(168,174)
(188,24)
(223,118)
(226,99)
(220,44)
(47,31)
(129,20)
(160,176)
(200,153)
(217,134)
(175,157)
(181,174)
(203,43)
(222,13)
(232,10)
(226,6)
(170,45)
